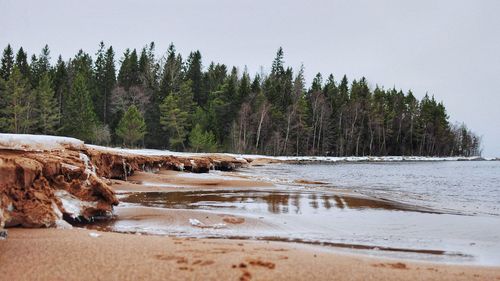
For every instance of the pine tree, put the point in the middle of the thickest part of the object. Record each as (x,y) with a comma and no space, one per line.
(105,77)
(131,127)
(61,85)
(22,63)
(175,110)
(7,63)
(39,66)
(172,74)
(17,113)
(194,73)
(128,75)
(202,140)
(46,106)
(80,118)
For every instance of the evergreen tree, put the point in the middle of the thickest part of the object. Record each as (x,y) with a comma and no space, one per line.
(172,74)
(61,84)
(175,110)
(40,66)
(17,113)
(22,63)
(200,140)
(7,63)
(80,118)
(128,75)
(210,109)
(131,127)
(46,106)
(194,73)
(105,77)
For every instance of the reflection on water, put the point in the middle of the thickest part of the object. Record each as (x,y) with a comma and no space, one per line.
(277,202)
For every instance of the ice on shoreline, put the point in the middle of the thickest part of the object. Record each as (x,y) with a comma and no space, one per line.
(47,143)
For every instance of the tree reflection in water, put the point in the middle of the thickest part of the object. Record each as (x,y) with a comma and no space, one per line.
(277,202)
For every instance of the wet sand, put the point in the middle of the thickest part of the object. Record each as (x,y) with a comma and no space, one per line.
(167,180)
(52,254)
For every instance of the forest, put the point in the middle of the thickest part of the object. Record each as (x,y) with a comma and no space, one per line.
(177,103)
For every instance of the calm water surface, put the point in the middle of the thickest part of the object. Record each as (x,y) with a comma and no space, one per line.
(469,187)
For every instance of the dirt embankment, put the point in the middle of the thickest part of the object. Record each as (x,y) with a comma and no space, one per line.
(47,188)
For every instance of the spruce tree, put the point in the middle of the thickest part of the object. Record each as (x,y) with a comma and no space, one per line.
(46,106)
(105,78)
(80,119)
(39,66)
(194,73)
(61,85)
(131,127)
(7,63)
(17,111)
(22,63)
(175,110)
(172,75)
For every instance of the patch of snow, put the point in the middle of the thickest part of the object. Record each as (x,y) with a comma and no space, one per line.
(197,223)
(94,235)
(37,142)
(73,206)
(60,223)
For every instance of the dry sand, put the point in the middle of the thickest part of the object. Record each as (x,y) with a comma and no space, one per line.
(52,254)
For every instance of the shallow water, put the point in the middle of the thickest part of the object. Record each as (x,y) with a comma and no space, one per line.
(445,211)
(469,187)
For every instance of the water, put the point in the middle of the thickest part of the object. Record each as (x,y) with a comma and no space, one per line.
(435,211)
(468,187)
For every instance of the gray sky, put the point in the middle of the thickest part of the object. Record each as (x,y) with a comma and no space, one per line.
(448,48)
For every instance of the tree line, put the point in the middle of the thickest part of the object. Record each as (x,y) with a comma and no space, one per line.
(178,103)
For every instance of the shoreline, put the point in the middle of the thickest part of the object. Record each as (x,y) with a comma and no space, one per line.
(90,254)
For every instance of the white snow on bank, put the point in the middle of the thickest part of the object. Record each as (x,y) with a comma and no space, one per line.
(47,143)
(145,152)
(73,206)
(355,158)
(37,142)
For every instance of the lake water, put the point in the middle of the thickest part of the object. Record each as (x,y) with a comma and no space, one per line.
(436,211)
(468,187)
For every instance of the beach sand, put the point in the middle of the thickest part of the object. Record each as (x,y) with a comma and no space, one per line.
(55,254)
(83,254)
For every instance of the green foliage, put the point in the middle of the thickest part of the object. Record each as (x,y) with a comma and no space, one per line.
(7,63)
(200,140)
(105,79)
(131,127)
(188,107)
(79,116)
(47,114)
(17,110)
(176,110)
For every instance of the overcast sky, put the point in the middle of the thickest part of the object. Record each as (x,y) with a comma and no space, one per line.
(450,49)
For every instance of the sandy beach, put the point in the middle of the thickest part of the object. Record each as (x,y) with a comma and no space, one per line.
(53,254)
(238,225)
